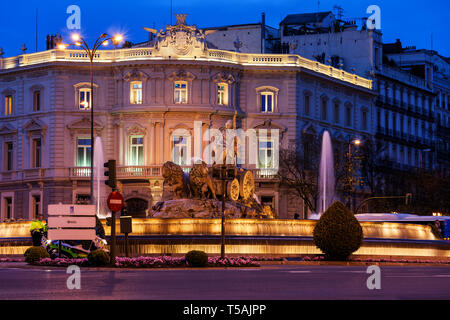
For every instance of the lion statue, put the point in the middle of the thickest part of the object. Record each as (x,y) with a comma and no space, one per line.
(174,179)
(200,182)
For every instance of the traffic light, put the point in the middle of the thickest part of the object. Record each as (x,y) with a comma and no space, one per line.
(110,172)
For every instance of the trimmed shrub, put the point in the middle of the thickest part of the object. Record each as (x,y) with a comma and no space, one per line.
(34,254)
(197,258)
(338,233)
(98,258)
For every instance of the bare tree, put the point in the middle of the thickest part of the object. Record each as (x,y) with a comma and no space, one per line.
(299,169)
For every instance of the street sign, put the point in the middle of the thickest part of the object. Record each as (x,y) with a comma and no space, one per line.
(71,222)
(115,201)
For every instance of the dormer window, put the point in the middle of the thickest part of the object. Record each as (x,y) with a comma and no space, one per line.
(136,92)
(180,92)
(84,99)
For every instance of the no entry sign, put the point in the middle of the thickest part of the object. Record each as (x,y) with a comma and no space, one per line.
(115,201)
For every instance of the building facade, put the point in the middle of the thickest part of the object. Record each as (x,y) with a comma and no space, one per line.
(148,101)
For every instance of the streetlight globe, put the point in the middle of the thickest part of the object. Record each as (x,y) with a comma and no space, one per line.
(118,38)
(76,37)
(105,43)
(357,142)
(62,46)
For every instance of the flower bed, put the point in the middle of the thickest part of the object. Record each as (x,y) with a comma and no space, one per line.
(321,258)
(11,260)
(152,262)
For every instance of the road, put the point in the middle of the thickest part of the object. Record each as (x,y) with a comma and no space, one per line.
(278,282)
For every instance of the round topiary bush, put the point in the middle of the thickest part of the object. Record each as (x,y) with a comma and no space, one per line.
(197,258)
(338,233)
(34,254)
(98,258)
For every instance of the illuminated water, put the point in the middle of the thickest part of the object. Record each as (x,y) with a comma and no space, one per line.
(326,175)
(99,179)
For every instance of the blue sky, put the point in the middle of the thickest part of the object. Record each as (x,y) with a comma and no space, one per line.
(412,21)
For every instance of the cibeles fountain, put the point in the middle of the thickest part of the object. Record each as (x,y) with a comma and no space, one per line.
(188,216)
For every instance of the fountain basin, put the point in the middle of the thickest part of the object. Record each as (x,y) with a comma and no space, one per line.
(249,236)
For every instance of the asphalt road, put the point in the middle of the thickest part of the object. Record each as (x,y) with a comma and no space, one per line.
(285,282)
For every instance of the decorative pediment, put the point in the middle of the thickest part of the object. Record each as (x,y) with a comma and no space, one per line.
(339,136)
(309,128)
(135,75)
(84,85)
(181,75)
(222,77)
(267,88)
(7,130)
(35,125)
(269,124)
(8,92)
(136,129)
(84,124)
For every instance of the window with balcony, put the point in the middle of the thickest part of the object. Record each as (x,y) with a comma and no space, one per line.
(265,154)
(84,152)
(36,101)
(9,154)
(136,92)
(222,94)
(37,153)
(267,102)
(136,151)
(8,105)
(180,92)
(180,150)
(84,99)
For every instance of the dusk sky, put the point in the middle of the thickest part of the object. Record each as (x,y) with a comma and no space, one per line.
(412,21)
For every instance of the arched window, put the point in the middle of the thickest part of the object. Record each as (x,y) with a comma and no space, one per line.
(267,99)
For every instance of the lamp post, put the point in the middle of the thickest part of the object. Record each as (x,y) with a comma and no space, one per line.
(350,171)
(91,53)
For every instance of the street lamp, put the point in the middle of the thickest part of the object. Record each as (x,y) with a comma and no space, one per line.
(80,42)
(350,170)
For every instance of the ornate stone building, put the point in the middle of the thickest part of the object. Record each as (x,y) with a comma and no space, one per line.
(146,103)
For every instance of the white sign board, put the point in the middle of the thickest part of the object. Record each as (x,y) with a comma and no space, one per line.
(71,234)
(70,210)
(71,222)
